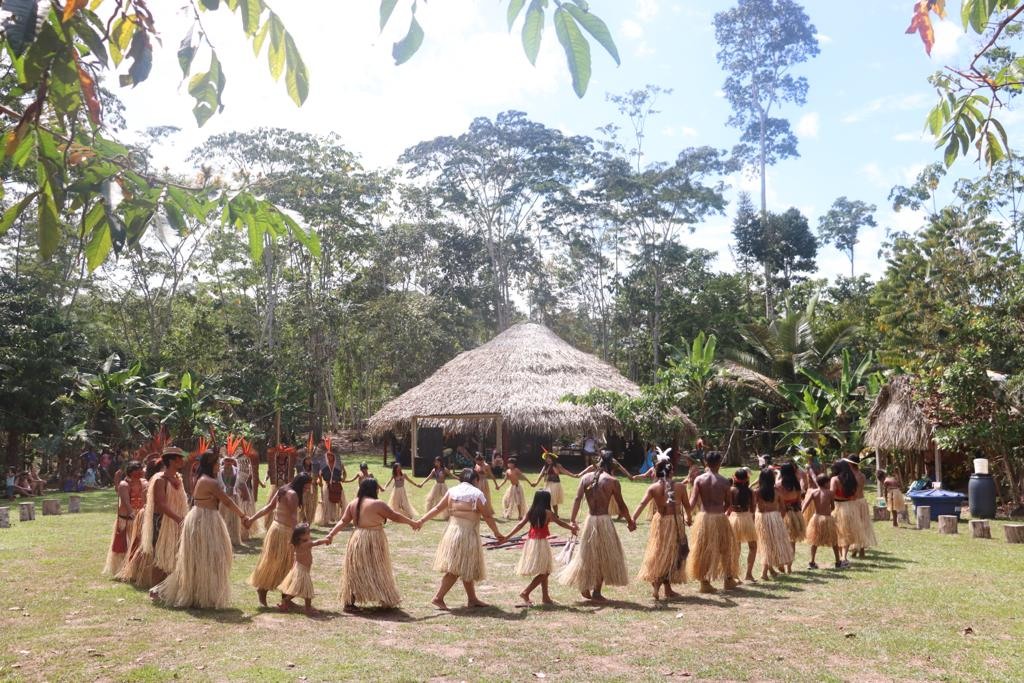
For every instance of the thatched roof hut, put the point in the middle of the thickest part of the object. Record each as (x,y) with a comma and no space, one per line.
(897,422)
(517,379)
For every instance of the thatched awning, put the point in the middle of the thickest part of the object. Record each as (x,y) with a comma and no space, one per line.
(896,421)
(522,375)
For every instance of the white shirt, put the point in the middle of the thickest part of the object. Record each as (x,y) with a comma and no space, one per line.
(467,493)
(589,446)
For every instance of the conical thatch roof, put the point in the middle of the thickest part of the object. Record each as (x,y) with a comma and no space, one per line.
(896,421)
(522,374)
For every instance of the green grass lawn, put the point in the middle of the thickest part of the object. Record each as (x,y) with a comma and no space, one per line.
(899,615)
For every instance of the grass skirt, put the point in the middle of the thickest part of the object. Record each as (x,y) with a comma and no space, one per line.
(598,558)
(399,502)
(557,494)
(309,505)
(795,526)
(866,528)
(514,502)
(366,575)
(460,551)
(232,523)
(202,573)
(328,513)
(165,550)
(138,567)
(437,493)
(773,539)
(743,527)
(485,488)
(714,552)
(665,556)
(276,558)
(115,560)
(894,501)
(536,558)
(298,583)
(822,531)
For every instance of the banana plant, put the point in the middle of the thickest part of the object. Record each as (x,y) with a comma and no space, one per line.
(811,421)
(190,410)
(692,373)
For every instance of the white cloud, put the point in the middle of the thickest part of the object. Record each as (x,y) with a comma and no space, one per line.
(688,132)
(947,41)
(808,125)
(719,93)
(920,136)
(643,50)
(646,10)
(823,39)
(888,103)
(632,29)
(873,172)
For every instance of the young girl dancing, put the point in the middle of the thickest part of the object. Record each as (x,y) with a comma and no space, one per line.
(299,582)
(536,560)
(399,500)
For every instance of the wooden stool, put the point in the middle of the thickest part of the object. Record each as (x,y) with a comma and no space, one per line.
(74,503)
(51,506)
(880,514)
(27,511)
(980,528)
(947,524)
(1014,533)
(5,518)
(924,517)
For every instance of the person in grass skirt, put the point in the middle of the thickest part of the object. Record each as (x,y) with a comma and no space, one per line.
(664,560)
(536,560)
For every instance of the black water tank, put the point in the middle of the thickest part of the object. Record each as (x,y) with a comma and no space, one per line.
(981,492)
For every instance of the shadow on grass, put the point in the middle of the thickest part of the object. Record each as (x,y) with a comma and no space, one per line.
(224,616)
(489,612)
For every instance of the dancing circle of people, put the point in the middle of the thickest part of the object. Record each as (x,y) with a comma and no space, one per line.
(182,553)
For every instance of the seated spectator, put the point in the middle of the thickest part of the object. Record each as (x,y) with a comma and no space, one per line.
(37,482)
(89,479)
(13,487)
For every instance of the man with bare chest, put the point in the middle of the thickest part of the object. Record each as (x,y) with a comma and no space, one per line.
(714,553)
(599,560)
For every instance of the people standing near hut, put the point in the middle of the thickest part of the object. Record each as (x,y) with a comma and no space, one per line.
(822,530)
(552,473)
(863,511)
(166,507)
(741,516)
(332,502)
(714,553)
(514,502)
(772,536)
(460,554)
(438,475)
(895,503)
(131,497)
(486,475)
(536,560)
(367,577)
(202,572)
(791,497)
(665,556)
(277,553)
(843,485)
(599,560)
(399,500)
(227,477)
(299,582)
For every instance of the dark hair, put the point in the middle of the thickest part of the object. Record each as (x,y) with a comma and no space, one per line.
(395,467)
(855,457)
(438,458)
(368,488)
(741,480)
(847,479)
(207,463)
(713,459)
(607,461)
(478,456)
(364,466)
(822,480)
(538,512)
(133,466)
(298,532)
(469,476)
(787,474)
(766,485)
(166,458)
(663,469)
(513,462)
(153,467)
(299,484)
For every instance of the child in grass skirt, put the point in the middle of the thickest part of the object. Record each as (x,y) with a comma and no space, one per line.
(299,582)
(536,560)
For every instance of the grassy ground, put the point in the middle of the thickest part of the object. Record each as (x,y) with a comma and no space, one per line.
(899,615)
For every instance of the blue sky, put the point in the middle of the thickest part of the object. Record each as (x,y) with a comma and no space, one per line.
(861,130)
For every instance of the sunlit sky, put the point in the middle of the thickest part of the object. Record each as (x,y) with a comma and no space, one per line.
(860,132)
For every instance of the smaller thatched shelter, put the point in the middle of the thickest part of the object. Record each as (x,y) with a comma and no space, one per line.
(897,422)
(515,381)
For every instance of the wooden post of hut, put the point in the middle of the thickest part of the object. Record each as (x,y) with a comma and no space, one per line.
(415,443)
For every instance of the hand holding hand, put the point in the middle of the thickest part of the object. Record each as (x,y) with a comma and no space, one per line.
(328,539)
(416,525)
(631,525)
(575,528)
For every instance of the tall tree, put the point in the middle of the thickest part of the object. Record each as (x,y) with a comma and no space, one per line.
(843,222)
(790,250)
(760,42)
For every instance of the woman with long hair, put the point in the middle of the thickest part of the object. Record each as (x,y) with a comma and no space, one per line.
(366,575)
(792,499)
(741,516)
(277,553)
(536,560)
(202,572)
(667,548)
(772,538)
(844,489)
(438,475)
(399,500)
